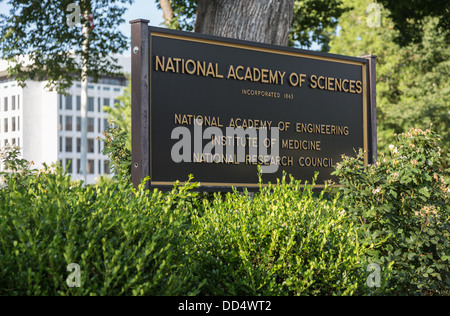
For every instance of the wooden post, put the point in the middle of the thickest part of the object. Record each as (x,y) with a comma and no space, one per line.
(140,100)
(372,108)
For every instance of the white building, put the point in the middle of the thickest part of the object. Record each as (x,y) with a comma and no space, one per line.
(47,126)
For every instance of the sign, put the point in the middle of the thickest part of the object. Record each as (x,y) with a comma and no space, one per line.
(217,108)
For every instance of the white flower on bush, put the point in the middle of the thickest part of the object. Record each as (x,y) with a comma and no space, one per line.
(393,149)
(2,180)
(377,191)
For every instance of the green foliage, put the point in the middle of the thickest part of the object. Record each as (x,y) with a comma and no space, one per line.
(412,85)
(315,21)
(284,241)
(120,114)
(38,30)
(402,205)
(126,241)
(410,17)
(116,146)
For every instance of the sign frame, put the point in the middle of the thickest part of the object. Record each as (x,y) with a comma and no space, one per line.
(141,34)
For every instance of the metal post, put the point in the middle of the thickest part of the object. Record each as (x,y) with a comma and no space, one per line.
(140,100)
(372,108)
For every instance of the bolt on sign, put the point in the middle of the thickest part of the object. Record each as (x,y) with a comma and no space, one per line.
(218,108)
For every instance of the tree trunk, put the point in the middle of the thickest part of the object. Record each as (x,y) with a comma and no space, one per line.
(167,11)
(264,21)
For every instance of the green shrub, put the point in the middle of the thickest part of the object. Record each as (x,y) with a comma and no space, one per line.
(284,241)
(402,205)
(126,241)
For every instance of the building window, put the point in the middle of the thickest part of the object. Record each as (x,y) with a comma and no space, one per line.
(90,166)
(68,144)
(99,166)
(105,125)
(18,123)
(106,102)
(99,126)
(69,164)
(78,166)
(60,122)
(68,123)
(99,105)
(60,101)
(90,104)
(99,143)
(18,102)
(6,104)
(68,102)
(13,124)
(6,125)
(106,167)
(78,124)
(60,144)
(90,124)
(13,103)
(90,145)
(78,145)
(78,103)
(13,141)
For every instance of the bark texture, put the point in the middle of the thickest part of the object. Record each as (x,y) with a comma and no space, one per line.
(264,21)
(167,11)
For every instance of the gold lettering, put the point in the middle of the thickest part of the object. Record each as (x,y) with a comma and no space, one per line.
(248,74)
(318,82)
(210,71)
(191,72)
(343,85)
(273,77)
(338,83)
(178,119)
(237,75)
(313,78)
(264,75)
(201,68)
(177,61)
(217,72)
(296,79)
(231,73)
(159,63)
(352,86)
(358,87)
(282,76)
(169,65)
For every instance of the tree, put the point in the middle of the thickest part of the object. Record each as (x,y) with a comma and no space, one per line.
(412,85)
(282,22)
(39,42)
(410,17)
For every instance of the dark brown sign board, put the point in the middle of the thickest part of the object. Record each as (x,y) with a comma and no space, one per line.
(192,85)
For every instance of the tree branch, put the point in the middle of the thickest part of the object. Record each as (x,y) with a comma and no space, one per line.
(166,6)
